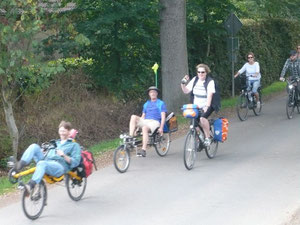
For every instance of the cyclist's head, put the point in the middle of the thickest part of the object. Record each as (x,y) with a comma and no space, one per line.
(250,56)
(153,92)
(293,54)
(204,66)
(66,125)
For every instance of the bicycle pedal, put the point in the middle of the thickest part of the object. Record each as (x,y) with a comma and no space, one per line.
(21,187)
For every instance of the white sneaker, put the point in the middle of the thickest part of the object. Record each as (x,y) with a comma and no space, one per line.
(207,142)
(258,105)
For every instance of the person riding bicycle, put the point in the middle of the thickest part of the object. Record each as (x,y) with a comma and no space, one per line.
(57,162)
(202,89)
(153,117)
(292,66)
(253,75)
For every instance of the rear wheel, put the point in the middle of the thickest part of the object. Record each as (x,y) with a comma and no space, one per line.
(33,203)
(242,107)
(211,151)
(121,159)
(257,110)
(290,106)
(162,144)
(189,152)
(75,187)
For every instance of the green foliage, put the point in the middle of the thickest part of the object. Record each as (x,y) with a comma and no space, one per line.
(122,38)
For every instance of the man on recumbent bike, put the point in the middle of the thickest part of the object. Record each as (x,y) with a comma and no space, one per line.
(153,117)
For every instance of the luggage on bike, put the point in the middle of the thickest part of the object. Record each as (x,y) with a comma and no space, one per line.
(171,123)
(87,163)
(221,129)
(190,111)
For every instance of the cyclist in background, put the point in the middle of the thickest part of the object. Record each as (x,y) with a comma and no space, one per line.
(253,75)
(292,67)
(153,116)
(202,89)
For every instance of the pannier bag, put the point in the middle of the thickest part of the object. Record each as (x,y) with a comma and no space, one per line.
(190,111)
(221,129)
(171,123)
(88,162)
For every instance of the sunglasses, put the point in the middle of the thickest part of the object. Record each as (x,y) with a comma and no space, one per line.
(201,72)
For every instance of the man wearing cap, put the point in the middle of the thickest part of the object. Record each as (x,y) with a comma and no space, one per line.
(292,66)
(153,116)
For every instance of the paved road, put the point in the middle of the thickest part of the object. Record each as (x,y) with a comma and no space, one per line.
(254,180)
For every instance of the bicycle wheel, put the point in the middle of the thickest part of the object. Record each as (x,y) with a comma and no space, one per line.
(290,106)
(256,110)
(121,159)
(242,107)
(211,151)
(33,203)
(75,188)
(189,152)
(162,144)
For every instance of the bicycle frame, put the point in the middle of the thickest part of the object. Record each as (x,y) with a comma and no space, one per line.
(49,179)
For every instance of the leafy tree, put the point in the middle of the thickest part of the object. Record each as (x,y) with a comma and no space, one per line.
(123,39)
(21,71)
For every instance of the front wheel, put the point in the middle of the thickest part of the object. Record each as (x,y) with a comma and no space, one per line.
(75,187)
(211,150)
(189,151)
(162,144)
(33,203)
(242,107)
(121,159)
(290,106)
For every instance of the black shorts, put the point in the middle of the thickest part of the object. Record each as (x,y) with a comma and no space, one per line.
(208,112)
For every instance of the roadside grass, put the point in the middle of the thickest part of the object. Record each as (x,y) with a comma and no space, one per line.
(104,146)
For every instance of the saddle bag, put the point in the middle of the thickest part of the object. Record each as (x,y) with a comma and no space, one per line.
(171,123)
(221,129)
(87,163)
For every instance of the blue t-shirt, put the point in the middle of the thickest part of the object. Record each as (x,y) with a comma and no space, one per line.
(153,109)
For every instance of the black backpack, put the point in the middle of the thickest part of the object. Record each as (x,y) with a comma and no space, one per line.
(216,99)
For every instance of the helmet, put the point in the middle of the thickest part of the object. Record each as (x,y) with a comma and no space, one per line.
(153,88)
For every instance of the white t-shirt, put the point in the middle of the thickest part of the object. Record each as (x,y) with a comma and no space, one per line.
(251,70)
(200,95)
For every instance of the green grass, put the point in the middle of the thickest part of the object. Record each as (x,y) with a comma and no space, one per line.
(105,146)
(6,186)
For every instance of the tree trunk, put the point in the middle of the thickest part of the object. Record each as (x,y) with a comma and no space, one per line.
(174,62)
(10,121)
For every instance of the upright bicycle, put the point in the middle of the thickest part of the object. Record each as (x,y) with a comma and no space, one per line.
(247,101)
(292,100)
(33,203)
(194,142)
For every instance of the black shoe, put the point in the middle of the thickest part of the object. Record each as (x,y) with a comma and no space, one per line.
(141,153)
(29,188)
(19,166)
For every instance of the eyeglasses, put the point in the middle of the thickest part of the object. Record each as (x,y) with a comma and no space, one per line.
(201,72)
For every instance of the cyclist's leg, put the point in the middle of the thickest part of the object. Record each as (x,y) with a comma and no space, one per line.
(50,167)
(204,121)
(255,86)
(148,125)
(134,120)
(34,151)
